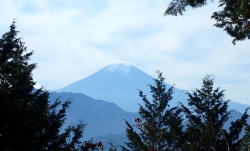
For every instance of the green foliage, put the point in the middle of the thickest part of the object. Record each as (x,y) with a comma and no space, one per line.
(28,121)
(234,17)
(207,114)
(160,127)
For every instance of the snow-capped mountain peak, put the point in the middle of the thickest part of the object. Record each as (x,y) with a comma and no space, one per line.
(124,67)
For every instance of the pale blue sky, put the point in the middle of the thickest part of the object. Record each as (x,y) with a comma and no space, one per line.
(74,38)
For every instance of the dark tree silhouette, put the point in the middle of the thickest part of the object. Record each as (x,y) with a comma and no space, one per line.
(160,127)
(207,113)
(28,121)
(246,139)
(234,17)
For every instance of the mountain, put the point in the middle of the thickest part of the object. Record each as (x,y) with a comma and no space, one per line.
(101,117)
(119,84)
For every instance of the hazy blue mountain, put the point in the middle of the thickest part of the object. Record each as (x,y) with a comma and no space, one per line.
(101,117)
(119,83)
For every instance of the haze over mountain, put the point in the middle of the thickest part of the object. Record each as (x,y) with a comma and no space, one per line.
(119,83)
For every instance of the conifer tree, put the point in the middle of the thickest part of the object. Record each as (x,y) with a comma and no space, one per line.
(28,121)
(159,127)
(207,113)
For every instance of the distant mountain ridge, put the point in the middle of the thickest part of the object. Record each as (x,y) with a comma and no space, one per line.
(119,84)
(101,117)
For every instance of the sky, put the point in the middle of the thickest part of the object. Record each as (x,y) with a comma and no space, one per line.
(72,39)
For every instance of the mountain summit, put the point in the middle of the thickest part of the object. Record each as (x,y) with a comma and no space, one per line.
(124,68)
(117,83)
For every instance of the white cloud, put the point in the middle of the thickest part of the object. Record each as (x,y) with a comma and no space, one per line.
(74,38)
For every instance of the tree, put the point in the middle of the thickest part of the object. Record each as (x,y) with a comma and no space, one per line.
(234,17)
(206,114)
(28,121)
(246,139)
(159,127)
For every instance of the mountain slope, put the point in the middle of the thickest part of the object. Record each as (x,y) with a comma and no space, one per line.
(101,117)
(119,83)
